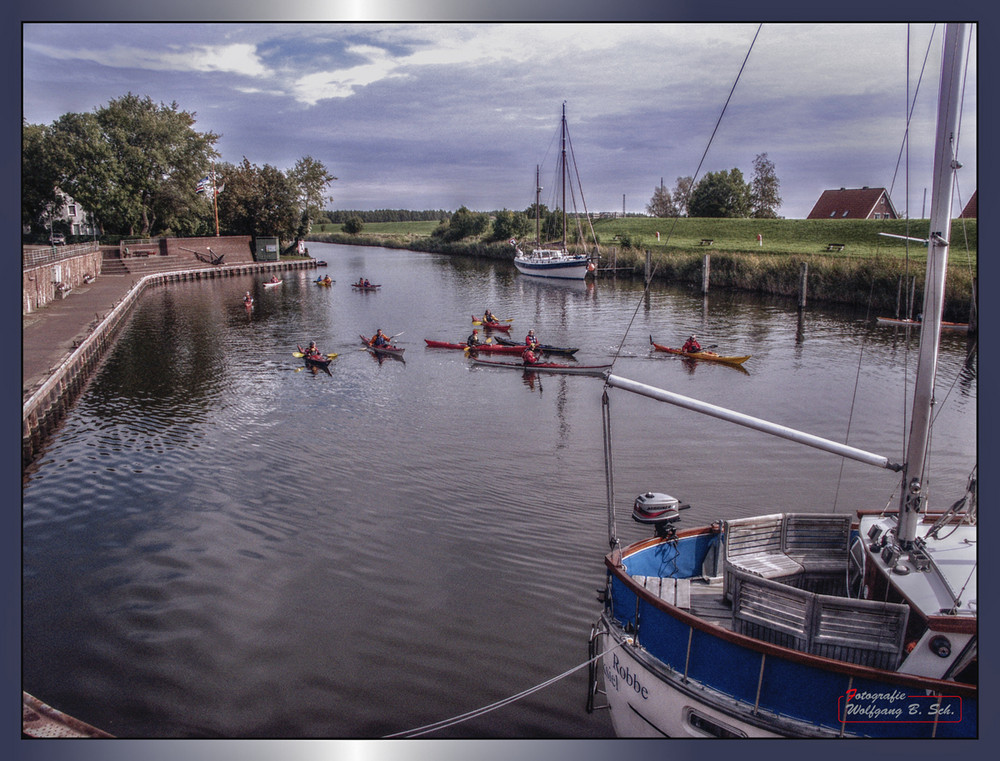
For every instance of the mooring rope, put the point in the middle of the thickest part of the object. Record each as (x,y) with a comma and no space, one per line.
(427,728)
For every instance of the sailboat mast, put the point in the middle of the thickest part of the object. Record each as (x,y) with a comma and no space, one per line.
(564,175)
(945,164)
(538,210)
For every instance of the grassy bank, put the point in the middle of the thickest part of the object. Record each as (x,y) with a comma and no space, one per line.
(867,272)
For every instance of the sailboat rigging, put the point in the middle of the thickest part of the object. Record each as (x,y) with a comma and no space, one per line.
(804,624)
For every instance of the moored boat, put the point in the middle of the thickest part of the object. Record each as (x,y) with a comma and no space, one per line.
(796,623)
(556,263)
(711,356)
(909,323)
(547,367)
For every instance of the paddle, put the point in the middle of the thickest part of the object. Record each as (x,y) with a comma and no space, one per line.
(300,354)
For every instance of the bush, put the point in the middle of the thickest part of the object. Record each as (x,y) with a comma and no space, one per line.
(353,226)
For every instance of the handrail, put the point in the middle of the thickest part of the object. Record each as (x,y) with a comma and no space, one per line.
(50,254)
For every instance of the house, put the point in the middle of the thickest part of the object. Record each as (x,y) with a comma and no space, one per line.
(971,210)
(854,203)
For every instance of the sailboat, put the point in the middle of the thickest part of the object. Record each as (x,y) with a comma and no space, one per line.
(801,624)
(552,262)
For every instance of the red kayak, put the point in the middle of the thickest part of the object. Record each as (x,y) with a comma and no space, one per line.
(390,350)
(491,325)
(362,287)
(481,348)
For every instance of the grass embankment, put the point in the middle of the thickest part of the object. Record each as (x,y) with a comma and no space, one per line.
(867,271)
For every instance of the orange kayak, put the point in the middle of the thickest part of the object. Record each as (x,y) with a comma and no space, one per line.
(703,354)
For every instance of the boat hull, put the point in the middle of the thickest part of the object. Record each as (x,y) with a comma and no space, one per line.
(959,326)
(548,367)
(554,266)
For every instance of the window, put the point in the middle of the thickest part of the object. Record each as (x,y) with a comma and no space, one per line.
(71,209)
(845,213)
(833,213)
(710,727)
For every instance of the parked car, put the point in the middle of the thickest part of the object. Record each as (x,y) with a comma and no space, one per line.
(57,239)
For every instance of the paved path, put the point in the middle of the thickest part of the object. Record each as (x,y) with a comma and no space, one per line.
(49,334)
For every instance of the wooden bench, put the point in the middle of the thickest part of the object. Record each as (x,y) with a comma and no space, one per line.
(706,241)
(865,632)
(804,549)
(834,246)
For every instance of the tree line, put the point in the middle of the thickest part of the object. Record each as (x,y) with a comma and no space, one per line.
(143,170)
(722,194)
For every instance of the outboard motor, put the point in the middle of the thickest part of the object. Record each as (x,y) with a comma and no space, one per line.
(660,510)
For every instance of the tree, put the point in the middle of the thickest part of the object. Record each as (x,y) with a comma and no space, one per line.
(682,194)
(152,145)
(310,178)
(764,186)
(133,163)
(509,224)
(258,201)
(720,194)
(463,224)
(353,225)
(662,203)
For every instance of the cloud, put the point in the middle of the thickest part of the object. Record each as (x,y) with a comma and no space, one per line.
(237,58)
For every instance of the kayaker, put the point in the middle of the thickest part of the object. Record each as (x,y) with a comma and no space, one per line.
(530,340)
(473,339)
(691,345)
(247,298)
(312,352)
(488,316)
(379,339)
(367,283)
(528,356)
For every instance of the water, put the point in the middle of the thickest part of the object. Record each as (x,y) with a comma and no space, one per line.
(221,543)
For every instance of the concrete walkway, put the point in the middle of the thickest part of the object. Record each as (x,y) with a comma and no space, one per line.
(50,334)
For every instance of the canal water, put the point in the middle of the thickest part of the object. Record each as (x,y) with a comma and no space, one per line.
(219,542)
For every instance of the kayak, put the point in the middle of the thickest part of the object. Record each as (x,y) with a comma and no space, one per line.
(485,348)
(322,363)
(272,285)
(491,325)
(366,287)
(910,323)
(548,367)
(321,281)
(544,347)
(703,354)
(388,350)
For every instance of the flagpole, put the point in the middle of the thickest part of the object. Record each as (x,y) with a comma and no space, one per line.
(215,201)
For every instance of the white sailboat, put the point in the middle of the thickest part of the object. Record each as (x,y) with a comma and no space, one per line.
(797,624)
(552,262)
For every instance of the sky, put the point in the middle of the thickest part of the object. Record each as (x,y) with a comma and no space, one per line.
(439,115)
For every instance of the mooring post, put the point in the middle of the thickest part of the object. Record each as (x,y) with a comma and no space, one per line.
(649,266)
(802,285)
(706,266)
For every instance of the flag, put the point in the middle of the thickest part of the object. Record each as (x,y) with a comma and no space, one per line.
(203,185)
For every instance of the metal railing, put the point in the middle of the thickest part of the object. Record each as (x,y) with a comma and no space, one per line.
(50,254)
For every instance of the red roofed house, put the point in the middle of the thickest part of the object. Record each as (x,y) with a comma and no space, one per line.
(971,210)
(854,203)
